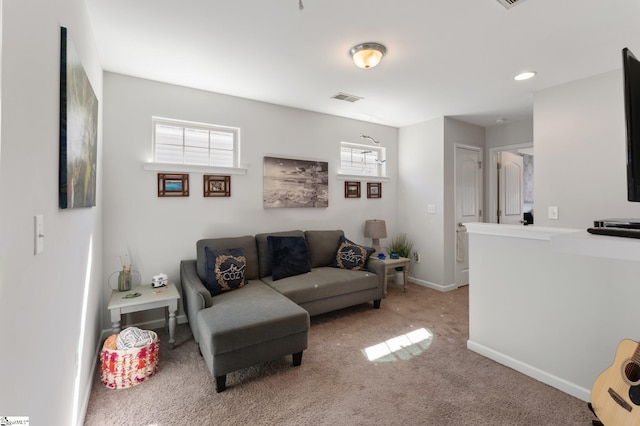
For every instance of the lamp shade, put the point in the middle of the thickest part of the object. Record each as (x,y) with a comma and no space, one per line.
(375,228)
(367,55)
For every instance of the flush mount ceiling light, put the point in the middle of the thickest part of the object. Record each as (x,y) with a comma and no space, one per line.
(367,55)
(525,75)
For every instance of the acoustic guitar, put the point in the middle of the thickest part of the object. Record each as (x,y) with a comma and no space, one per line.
(615,395)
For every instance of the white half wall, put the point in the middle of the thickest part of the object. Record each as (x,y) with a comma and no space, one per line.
(552,303)
(159,232)
(47,358)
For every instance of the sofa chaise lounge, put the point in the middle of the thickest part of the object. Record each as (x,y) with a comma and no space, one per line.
(268,317)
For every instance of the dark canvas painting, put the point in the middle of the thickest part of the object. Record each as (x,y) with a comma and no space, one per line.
(295,183)
(78,130)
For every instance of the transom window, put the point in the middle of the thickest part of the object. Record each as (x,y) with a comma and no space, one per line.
(183,142)
(364,160)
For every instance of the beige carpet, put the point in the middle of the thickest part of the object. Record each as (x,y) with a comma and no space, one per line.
(436,381)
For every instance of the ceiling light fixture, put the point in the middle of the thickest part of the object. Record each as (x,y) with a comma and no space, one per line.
(525,75)
(367,55)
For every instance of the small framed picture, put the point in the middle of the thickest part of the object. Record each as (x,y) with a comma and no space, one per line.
(374,190)
(217,186)
(173,185)
(352,190)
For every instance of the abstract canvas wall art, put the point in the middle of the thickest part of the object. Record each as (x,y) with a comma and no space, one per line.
(291,183)
(78,130)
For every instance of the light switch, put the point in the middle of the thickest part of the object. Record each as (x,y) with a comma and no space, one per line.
(38,234)
(431,208)
(553,212)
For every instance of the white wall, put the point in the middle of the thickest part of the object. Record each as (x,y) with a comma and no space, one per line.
(580,155)
(518,132)
(426,176)
(41,297)
(159,232)
(421,182)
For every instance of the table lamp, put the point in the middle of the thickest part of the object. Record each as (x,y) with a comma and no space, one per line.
(375,229)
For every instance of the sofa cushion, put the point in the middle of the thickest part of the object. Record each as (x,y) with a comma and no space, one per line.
(251,315)
(225,269)
(323,246)
(264,257)
(323,283)
(351,255)
(289,256)
(247,244)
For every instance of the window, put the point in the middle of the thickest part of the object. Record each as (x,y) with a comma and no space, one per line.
(361,159)
(182,142)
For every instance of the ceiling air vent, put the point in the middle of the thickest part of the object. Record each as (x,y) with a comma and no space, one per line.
(510,3)
(345,97)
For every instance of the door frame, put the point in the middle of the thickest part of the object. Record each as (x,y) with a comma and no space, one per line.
(480,189)
(491,215)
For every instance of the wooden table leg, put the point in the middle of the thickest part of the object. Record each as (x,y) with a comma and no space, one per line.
(172,324)
(405,276)
(115,321)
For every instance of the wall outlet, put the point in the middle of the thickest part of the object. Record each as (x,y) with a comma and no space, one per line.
(431,208)
(416,256)
(553,212)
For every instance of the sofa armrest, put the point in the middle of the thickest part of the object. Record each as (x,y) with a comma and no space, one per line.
(377,267)
(196,295)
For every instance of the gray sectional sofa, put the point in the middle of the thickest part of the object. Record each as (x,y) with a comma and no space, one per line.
(268,318)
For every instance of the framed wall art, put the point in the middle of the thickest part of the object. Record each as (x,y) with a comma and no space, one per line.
(291,183)
(374,190)
(351,189)
(217,186)
(173,185)
(78,154)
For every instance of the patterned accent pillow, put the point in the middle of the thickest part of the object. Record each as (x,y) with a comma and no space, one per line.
(351,255)
(225,269)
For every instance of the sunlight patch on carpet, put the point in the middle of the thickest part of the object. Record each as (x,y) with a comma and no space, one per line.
(401,347)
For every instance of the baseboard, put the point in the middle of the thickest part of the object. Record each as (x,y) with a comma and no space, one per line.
(540,375)
(434,286)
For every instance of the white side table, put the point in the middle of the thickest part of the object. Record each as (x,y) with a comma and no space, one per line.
(150,298)
(396,263)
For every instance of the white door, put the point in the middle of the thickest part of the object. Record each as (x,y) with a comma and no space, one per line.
(510,188)
(468,190)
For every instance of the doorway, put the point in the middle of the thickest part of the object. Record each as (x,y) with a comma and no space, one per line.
(468,205)
(511,185)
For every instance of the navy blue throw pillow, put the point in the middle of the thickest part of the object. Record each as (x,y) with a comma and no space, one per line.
(225,269)
(351,255)
(289,256)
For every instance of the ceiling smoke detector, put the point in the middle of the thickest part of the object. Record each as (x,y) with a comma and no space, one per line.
(508,4)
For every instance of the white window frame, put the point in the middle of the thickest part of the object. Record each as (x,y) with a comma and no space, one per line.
(186,167)
(381,168)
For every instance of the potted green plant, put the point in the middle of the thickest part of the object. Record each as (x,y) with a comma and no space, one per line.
(401,244)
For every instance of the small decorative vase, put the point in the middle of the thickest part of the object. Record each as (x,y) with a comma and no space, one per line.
(124,281)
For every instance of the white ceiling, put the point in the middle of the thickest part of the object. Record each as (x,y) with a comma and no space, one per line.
(445,57)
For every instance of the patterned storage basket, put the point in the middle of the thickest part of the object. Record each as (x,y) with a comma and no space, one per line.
(124,368)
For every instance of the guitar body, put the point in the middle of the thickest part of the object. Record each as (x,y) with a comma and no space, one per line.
(615,395)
